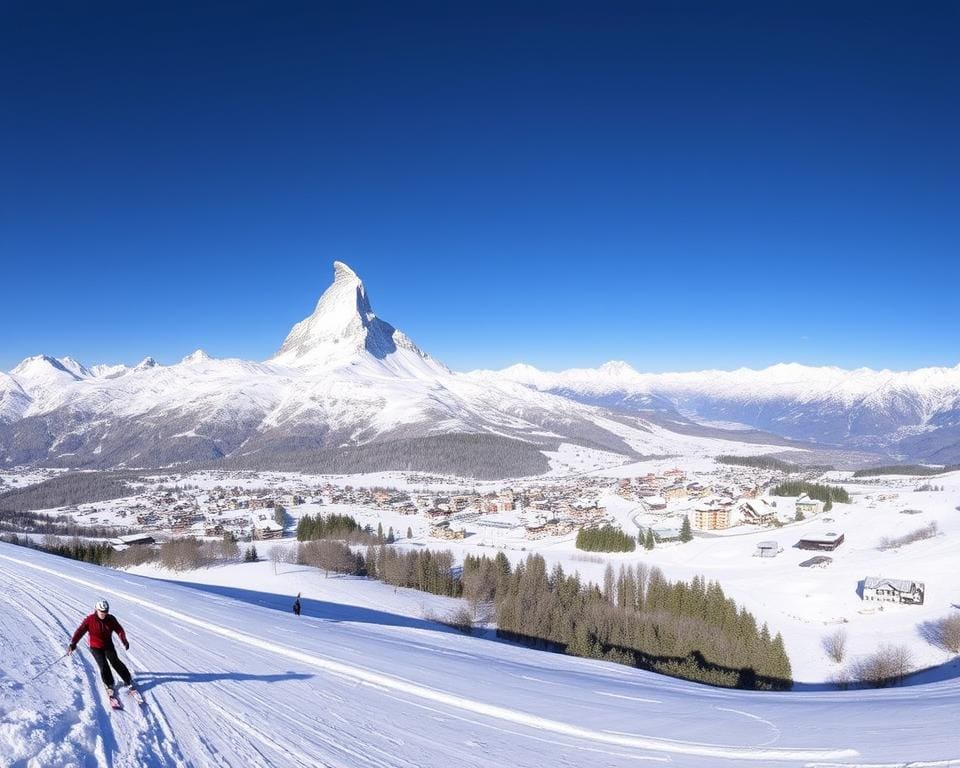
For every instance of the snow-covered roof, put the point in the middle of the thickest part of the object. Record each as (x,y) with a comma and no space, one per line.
(900,585)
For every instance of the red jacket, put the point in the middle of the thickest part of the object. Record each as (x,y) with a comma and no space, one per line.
(100,631)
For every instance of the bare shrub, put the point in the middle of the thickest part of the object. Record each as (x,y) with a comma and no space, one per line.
(458,618)
(484,612)
(944,633)
(835,645)
(132,556)
(180,554)
(330,556)
(888,665)
(588,558)
(280,555)
(926,532)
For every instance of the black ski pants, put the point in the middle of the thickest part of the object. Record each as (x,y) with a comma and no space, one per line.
(109,654)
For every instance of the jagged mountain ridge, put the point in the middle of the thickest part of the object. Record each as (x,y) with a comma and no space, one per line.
(343,379)
(910,415)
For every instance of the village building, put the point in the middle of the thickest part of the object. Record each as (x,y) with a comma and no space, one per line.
(757,512)
(809,506)
(674,492)
(893,590)
(132,540)
(265,527)
(768,549)
(826,542)
(711,518)
(445,531)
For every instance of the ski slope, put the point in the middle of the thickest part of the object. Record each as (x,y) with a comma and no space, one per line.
(232,678)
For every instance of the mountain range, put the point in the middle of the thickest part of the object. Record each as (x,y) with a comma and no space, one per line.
(346,392)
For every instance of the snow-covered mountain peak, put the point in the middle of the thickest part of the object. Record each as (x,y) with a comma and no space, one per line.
(618,369)
(75,367)
(344,330)
(146,364)
(197,356)
(106,371)
(41,369)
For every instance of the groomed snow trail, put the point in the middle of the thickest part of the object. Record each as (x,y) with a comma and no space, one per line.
(228,682)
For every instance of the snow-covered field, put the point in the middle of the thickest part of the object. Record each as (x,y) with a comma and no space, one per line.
(232,677)
(804,604)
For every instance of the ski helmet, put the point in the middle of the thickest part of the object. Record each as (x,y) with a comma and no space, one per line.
(103,605)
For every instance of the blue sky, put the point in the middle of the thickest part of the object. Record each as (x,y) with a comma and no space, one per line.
(679,185)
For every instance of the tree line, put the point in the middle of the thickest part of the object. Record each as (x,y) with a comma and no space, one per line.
(825,493)
(70,489)
(914,470)
(74,548)
(606,538)
(332,526)
(689,630)
(60,525)
(760,462)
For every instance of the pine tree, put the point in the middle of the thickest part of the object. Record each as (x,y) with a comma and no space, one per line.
(648,542)
(409,532)
(686,534)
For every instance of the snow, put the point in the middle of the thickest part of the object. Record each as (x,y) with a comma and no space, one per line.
(231,677)
(935,387)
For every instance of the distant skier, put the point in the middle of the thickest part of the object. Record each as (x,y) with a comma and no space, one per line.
(101,625)
(296,605)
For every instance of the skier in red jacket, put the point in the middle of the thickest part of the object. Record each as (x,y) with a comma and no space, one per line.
(101,625)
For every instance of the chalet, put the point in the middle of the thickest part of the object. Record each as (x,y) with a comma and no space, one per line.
(809,506)
(665,534)
(265,527)
(893,590)
(823,541)
(132,540)
(445,531)
(768,549)
(655,503)
(757,512)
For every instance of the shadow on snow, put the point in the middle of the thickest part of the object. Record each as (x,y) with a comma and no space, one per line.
(148,680)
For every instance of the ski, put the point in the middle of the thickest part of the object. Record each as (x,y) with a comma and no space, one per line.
(134,694)
(115,703)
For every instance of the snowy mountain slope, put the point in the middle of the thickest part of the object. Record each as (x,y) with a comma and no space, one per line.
(14,401)
(345,379)
(342,379)
(856,409)
(232,678)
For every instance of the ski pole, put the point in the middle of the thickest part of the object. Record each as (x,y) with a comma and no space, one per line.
(48,668)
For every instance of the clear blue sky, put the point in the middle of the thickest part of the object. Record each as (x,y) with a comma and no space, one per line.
(679,185)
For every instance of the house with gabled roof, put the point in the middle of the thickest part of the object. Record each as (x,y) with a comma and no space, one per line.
(757,512)
(809,506)
(893,590)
